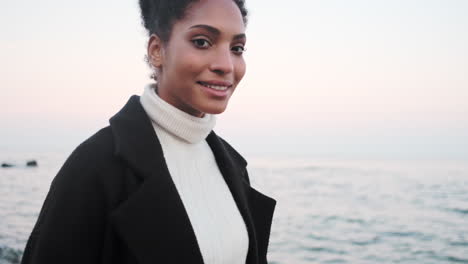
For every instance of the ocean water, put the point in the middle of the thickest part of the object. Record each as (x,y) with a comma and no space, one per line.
(328,211)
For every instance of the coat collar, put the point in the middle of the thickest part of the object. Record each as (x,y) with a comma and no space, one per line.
(153,220)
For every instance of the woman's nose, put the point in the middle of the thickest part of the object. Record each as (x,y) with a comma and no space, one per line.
(222,62)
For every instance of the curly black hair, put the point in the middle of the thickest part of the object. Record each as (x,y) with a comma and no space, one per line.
(159,15)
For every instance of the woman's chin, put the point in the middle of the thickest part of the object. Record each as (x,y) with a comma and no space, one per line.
(215,109)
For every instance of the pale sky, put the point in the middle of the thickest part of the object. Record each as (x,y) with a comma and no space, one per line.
(327,78)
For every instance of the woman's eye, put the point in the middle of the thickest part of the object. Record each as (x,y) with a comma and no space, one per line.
(238,49)
(201,43)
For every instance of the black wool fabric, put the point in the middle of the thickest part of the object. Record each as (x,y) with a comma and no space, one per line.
(113,201)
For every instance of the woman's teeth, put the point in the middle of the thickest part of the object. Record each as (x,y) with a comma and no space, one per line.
(216,87)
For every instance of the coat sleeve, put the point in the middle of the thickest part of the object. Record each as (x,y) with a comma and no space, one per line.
(71,224)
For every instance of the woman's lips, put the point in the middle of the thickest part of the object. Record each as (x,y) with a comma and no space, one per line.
(217,85)
(216,88)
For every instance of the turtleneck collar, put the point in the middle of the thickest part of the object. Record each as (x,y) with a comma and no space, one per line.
(173,120)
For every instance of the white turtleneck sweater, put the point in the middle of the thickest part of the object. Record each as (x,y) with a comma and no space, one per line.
(219,228)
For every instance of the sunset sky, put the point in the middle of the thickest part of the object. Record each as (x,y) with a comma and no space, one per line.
(325,78)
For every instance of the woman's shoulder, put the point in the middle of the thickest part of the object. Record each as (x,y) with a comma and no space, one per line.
(92,162)
(99,145)
(96,151)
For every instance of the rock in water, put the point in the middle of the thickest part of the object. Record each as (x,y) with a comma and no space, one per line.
(31,163)
(7,165)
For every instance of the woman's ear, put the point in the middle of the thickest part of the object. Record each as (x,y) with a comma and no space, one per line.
(155,51)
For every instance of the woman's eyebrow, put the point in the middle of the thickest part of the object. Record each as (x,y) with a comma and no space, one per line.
(216,31)
(239,36)
(211,29)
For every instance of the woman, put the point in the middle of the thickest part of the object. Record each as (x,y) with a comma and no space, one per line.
(158,185)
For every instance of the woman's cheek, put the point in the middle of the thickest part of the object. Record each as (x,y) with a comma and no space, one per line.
(194,63)
(240,69)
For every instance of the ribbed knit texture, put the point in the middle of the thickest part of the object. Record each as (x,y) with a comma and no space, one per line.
(185,126)
(219,228)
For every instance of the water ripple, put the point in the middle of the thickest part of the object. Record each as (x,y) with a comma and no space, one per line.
(361,212)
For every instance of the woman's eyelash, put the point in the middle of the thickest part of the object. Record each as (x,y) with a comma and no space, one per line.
(238,49)
(201,43)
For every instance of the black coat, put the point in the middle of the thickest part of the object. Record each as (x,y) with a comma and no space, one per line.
(114,201)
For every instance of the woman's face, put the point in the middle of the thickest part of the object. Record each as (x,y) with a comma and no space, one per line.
(202,63)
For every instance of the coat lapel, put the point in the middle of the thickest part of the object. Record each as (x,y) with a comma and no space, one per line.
(233,175)
(256,208)
(153,221)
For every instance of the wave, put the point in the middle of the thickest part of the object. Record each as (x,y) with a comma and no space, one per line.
(458,210)
(10,255)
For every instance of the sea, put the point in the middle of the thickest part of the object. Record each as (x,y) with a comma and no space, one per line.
(328,210)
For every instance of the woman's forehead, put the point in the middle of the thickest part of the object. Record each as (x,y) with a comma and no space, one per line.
(223,15)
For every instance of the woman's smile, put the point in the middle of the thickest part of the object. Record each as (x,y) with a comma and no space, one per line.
(217,85)
(216,89)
